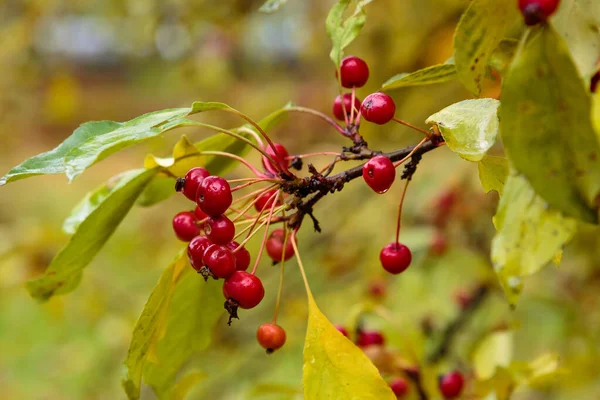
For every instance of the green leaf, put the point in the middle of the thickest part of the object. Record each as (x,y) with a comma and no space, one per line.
(480,30)
(160,189)
(185,384)
(151,325)
(529,234)
(503,55)
(65,270)
(201,106)
(426,76)
(270,6)
(493,172)
(269,122)
(334,368)
(494,351)
(546,126)
(343,32)
(469,127)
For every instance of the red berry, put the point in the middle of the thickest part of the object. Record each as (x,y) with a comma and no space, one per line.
(399,387)
(342,330)
(196,250)
(242,256)
(219,230)
(245,289)
(184,225)
(378,108)
(274,246)
(395,257)
(536,11)
(439,244)
(339,109)
(463,298)
(220,260)
(271,337)
(378,289)
(369,338)
(280,156)
(214,195)
(200,215)
(451,384)
(379,173)
(193,179)
(265,201)
(354,72)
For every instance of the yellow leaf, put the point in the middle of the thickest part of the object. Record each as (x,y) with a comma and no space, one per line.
(185,156)
(494,351)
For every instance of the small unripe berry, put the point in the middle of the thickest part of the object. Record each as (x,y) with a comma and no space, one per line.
(369,338)
(451,385)
(354,72)
(271,337)
(184,225)
(379,173)
(280,156)
(378,108)
(536,11)
(220,260)
(214,195)
(345,107)
(399,387)
(242,256)
(274,246)
(196,250)
(219,230)
(395,257)
(265,201)
(193,179)
(245,289)
(200,215)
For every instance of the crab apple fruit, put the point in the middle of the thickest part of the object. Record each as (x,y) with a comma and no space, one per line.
(214,195)
(399,387)
(342,106)
(200,215)
(196,249)
(536,11)
(341,329)
(451,384)
(184,225)
(369,338)
(242,256)
(191,182)
(354,72)
(219,230)
(271,337)
(379,173)
(279,154)
(395,257)
(274,246)
(378,108)
(220,260)
(245,289)
(265,200)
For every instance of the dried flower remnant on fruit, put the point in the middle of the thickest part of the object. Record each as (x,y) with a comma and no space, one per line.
(537,11)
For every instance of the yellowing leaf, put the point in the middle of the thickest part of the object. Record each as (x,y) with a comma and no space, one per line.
(185,156)
(493,172)
(494,351)
(529,235)
(334,368)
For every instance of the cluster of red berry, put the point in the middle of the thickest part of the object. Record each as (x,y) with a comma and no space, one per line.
(537,11)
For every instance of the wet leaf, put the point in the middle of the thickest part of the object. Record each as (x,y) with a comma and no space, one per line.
(469,127)
(343,32)
(493,172)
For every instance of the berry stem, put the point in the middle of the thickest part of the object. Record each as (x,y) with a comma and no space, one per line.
(249,195)
(273,198)
(423,131)
(319,114)
(321,153)
(262,246)
(409,155)
(300,265)
(238,158)
(281,270)
(351,104)
(245,185)
(255,135)
(400,211)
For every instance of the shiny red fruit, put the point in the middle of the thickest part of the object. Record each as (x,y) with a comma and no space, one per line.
(280,156)
(354,72)
(379,173)
(214,195)
(369,338)
(219,230)
(196,249)
(339,109)
(451,385)
(536,11)
(245,289)
(378,108)
(220,260)
(399,387)
(265,201)
(271,337)
(193,179)
(242,256)
(395,257)
(274,246)
(200,215)
(184,225)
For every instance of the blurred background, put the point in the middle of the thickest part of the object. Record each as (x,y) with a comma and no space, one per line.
(64,62)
